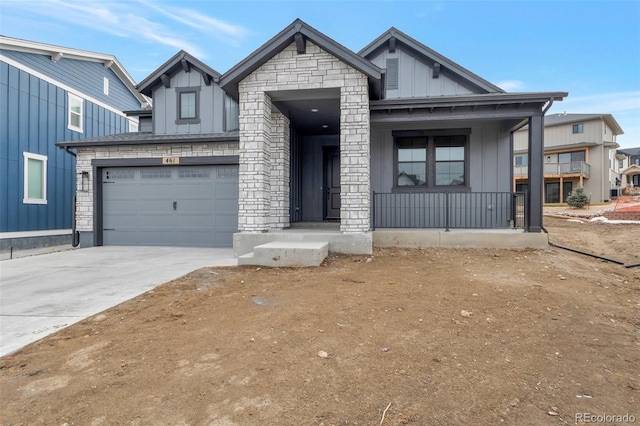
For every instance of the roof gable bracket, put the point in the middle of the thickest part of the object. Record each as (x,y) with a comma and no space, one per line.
(166,81)
(436,70)
(301,43)
(185,65)
(56,56)
(206,78)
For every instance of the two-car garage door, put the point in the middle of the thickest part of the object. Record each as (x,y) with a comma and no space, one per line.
(170,205)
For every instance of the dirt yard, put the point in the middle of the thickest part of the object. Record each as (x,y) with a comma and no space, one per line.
(424,337)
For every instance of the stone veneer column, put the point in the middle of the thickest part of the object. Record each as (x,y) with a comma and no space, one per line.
(355,187)
(288,70)
(280,160)
(254,203)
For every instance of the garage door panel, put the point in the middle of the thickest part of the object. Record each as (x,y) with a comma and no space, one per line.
(138,206)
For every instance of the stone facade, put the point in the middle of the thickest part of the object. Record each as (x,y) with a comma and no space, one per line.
(280,162)
(85,202)
(263,143)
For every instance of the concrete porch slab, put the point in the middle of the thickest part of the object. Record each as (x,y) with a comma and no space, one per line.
(459,238)
(339,242)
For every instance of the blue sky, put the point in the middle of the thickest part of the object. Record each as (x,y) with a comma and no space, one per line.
(590,49)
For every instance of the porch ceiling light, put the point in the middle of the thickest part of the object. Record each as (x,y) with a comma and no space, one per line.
(325,126)
(314,109)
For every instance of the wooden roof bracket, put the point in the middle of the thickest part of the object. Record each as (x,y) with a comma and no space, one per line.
(301,43)
(166,81)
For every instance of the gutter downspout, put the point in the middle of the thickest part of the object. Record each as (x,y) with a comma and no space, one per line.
(75,235)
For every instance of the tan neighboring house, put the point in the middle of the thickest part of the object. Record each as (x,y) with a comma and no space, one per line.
(627,168)
(579,151)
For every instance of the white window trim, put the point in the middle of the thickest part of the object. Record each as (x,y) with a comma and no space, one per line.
(43,158)
(134,125)
(105,86)
(73,97)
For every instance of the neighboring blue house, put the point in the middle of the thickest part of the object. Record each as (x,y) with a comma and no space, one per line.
(50,94)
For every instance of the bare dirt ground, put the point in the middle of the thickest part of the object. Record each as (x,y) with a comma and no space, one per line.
(424,337)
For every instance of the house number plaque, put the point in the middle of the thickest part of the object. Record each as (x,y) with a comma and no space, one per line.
(170,160)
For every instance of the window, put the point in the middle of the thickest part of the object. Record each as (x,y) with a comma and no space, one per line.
(133,125)
(412,162)
(578,128)
(522,160)
(568,157)
(35,178)
(105,86)
(188,105)
(450,160)
(620,164)
(431,159)
(75,113)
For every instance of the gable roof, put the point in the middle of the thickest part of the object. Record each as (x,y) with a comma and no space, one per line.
(58,52)
(631,152)
(394,35)
(229,80)
(181,60)
(564,118)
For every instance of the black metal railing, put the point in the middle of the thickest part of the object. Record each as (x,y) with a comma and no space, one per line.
(472,210)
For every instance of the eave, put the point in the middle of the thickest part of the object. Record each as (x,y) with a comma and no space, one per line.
(180,61)
(58,52)
(298,32)
(148,138)
(468,100)
(392,36)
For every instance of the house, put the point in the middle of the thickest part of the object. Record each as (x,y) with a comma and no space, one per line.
(50,94)
(307,141)
(579,151)
(628,169)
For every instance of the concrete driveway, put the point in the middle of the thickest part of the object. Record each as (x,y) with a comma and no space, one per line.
(39,295)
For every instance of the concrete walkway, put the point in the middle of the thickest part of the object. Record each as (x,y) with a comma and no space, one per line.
(41,294)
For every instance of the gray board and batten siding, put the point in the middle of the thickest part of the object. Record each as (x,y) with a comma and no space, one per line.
(217,111)
(170,205)
(414,78)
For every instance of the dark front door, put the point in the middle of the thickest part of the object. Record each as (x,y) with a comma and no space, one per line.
(332,184)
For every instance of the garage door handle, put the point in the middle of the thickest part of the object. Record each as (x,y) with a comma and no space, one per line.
(175,205)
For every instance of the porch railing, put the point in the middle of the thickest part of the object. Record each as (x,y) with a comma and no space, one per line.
(471,210)
(579,168)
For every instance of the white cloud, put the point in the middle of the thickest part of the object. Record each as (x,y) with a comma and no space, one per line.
(142,20)
(604,103)
(217,28)
(511,85)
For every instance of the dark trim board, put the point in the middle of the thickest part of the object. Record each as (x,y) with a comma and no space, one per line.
(184,161)
(100,164)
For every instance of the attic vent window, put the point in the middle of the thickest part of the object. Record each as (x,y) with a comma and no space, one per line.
(392,74)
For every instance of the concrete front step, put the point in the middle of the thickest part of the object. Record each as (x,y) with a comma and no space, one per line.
(286,254)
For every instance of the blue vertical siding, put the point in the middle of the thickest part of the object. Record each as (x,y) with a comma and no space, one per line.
(85,76)
(33,117)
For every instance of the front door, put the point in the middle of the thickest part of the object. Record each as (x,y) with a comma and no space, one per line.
(332,184)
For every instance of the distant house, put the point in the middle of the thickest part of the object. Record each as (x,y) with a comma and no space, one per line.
(50,94)
(306,140)
(628,168)
(579,151)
